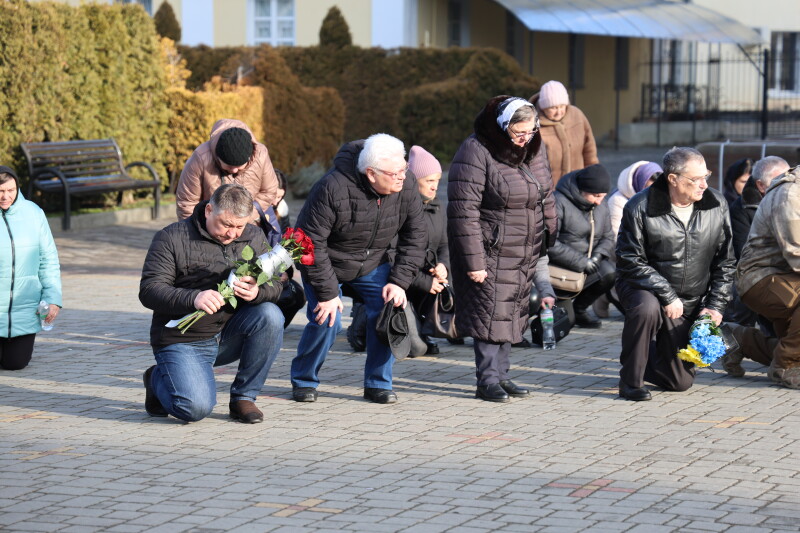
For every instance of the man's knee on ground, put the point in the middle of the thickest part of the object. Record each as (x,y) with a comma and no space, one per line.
(14,365)
(191,410)
(681,385)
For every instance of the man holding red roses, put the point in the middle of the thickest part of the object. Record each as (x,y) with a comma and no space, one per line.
(351,217)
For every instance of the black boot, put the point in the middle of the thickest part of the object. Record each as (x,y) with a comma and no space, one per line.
(585,320)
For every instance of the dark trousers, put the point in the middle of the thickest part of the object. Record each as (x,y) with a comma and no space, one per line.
(492,361)
(16,352)
(650,342)
(597,284)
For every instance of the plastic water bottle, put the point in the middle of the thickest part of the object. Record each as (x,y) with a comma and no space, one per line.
(548,335)
(42,311)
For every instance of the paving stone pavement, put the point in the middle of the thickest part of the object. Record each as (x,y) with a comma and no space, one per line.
(78,452)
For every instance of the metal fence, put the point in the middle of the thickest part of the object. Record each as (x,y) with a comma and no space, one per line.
(749,93)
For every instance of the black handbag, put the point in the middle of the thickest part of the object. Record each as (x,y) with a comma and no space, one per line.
(562,324)
(439,316)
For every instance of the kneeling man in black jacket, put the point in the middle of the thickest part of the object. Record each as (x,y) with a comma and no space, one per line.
(674,263)
(185,263)
(352,214)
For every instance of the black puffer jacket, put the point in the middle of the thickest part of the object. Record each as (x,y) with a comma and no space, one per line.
(352,227)
(574,227)
(436,249)
(184,260)
(496,222)
(743,209)
(657,253)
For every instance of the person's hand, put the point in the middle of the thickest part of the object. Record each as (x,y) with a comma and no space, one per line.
(478,276)
(716,316)
(439,272)
(394,292)
(548,302)
(674,310)
(436,287)
(327,311)
(209,301)
(245,288)
(52,314)
(591,266)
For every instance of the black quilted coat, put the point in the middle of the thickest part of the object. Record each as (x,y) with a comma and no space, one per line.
(497,215)
(352,227)
(657,253)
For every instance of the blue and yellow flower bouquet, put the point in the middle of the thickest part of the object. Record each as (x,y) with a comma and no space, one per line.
(705,343)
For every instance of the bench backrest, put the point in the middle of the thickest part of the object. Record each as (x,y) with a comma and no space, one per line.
(75,159)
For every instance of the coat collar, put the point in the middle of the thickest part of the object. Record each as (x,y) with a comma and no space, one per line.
(497,141)
(659,203)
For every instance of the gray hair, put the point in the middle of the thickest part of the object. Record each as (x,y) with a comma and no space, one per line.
(379,147)
(676,158)
(524,114)
(5,176)
(234,199)
(767,168)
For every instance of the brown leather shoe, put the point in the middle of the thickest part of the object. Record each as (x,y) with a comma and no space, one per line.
(245,411)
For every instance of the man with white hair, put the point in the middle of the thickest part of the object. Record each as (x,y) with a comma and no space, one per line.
(352,215)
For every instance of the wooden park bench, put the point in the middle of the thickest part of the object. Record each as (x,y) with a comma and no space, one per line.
(83,168)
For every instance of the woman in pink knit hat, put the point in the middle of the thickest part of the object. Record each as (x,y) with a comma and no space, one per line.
(565,131)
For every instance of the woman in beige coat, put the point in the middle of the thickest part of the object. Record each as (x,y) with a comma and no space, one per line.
(565,131)
(231,155)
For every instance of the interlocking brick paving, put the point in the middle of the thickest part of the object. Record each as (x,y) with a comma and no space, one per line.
(78,452)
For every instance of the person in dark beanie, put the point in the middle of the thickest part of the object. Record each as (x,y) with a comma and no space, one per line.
(585,241)
(231,155)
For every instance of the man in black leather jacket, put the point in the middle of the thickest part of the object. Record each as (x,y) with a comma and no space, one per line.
(674,262)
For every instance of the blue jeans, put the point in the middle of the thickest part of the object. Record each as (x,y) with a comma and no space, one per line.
(183,378)
(317,339)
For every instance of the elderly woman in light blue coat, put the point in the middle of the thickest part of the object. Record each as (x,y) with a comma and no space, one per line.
(29,273)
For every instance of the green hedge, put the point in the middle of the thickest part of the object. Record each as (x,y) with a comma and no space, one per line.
(439,116)
(424,96)
(85,72)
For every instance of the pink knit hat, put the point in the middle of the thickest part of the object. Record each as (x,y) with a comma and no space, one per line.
(421,163)
(553,93)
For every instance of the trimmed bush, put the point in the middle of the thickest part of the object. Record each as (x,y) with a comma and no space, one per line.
(166,23)
(439,116)
(334,31)
(85,72)
(301,124)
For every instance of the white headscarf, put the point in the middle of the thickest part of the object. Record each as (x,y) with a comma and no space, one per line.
(507,109)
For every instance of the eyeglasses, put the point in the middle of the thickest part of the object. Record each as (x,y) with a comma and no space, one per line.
(392,175)
(695,181)
(523,134)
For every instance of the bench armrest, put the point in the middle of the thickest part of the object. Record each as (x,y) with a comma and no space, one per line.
(145,165)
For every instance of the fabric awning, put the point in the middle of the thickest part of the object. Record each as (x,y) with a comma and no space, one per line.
(648,19)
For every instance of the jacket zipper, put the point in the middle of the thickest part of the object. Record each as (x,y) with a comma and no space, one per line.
(371,238)
(686,246)
(13,268)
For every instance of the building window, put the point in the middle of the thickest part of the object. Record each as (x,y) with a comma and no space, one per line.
(575,66)
(784,72)
(274,22)
(146,4)
(454,23)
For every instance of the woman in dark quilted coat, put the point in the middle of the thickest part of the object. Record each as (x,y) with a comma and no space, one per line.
(500,214)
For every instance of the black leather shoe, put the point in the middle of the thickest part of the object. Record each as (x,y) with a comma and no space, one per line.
(634,394)
(433,348)
(151,403)
(380,395)
(513,390)
(245,411)
(524,343)
(304,394)
(585,320)
(492,393)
